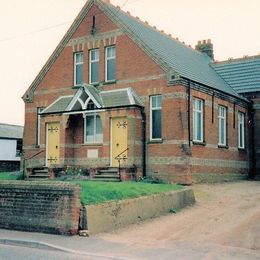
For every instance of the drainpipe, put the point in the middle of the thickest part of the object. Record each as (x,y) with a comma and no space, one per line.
(143,115)
(251,113)
(188,110)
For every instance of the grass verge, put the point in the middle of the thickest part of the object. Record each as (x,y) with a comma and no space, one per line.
(98,192)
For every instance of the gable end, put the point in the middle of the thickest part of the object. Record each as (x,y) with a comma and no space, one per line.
(29,94)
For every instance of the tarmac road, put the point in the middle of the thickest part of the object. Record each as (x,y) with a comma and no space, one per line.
(23,253)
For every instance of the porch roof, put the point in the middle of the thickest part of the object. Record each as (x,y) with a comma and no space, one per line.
(59,105)
(101,99)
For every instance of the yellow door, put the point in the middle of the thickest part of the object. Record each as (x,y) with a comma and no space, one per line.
(118,141)
(53,143)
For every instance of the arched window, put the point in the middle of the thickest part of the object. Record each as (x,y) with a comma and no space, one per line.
(91,105)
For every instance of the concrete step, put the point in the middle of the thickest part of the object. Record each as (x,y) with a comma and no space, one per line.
(37,179)
(39,176)
(109,174)
(106,180)
(109,171)
(106,176)
(41,173)
(40,170)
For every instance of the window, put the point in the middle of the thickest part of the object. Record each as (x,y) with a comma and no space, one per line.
(222,125)
(19,147)
(156,117)
(241,130)
(78,68)
(198,120)
(93,129)
(110,63)
(93,66)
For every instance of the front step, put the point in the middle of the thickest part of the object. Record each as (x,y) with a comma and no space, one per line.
(108,175)
(40,173)
(106,180)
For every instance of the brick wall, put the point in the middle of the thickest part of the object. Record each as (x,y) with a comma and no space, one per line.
(9,166)
(40,206)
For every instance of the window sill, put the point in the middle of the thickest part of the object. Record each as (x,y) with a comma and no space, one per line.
(95,84)
(199,143)
(223,146)
(158,141)
(241,149)
(76,86)
(92,144)
(109,82)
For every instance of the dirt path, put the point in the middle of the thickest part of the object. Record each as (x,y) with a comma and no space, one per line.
(226,215)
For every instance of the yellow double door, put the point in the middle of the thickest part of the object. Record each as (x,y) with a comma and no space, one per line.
(119,129)
(53,144)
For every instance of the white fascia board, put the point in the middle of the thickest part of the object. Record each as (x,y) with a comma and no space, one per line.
(130,96)
(74,100)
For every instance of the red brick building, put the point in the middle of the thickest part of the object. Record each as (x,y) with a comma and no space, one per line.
(117,92)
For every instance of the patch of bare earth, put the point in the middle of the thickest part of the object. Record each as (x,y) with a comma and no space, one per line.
(226,215)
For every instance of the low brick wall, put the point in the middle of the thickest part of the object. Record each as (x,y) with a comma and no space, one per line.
(115,214)
(8,166)
(48,207)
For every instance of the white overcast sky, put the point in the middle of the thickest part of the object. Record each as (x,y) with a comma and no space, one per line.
(31,29)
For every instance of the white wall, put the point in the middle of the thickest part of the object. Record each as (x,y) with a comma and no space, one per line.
(8,150)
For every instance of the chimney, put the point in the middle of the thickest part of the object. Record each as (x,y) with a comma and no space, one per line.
(205,46)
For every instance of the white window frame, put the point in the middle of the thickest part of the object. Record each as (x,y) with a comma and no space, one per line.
(151,117)
(90,63)
(106,62)
(95,141)
(75,66)
(222,119)
(241,130)
(195,127)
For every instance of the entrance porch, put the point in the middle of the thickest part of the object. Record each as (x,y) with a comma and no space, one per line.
(100,132)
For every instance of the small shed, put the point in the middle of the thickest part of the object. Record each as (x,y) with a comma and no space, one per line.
(11,143)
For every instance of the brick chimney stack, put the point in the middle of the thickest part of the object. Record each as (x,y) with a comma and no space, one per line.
(205,46)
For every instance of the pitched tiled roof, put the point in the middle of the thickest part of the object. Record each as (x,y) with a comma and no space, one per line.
(95,93)
(169,53)
(241,74)
(11,131)
(120,97)
(189,63)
